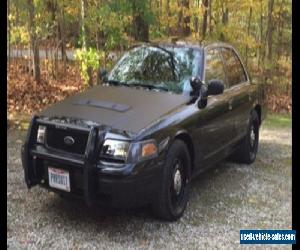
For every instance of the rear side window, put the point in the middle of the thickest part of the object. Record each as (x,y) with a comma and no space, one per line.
(234,69)
(214,68)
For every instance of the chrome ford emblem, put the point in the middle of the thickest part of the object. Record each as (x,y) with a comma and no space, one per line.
(69,140)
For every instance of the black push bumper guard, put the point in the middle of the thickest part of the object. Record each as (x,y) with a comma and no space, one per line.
(95,140)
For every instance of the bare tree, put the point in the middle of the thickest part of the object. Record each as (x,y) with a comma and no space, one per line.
(260,49)
(183,19)
(168,15)
(61,23)
(210,16)
(84,40)
(270,29)
(34,42)
(8,31)
(139,24)
(225,19)
(83,29)
(280,30)
(204,24)
(248,33)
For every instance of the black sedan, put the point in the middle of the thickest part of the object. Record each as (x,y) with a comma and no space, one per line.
(164,114)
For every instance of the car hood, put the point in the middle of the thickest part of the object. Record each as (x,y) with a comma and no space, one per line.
(119,107)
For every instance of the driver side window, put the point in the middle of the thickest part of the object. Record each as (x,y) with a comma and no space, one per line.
(214,68)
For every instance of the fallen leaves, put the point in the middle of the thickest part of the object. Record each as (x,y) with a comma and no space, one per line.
(24,96)
(279,104)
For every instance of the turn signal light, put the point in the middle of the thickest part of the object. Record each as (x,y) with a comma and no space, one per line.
(149,149)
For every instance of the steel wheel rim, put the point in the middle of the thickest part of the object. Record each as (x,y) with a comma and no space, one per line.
(252,137)
(253,140)
(178,185)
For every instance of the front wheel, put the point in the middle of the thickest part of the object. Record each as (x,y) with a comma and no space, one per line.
(246,153)
(173,193)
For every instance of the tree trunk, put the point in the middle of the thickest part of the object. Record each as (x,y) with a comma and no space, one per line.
(84,40)
(63,37)
(159,8)
(18,46)
(97,31)
(17,12)
(34,42)
(280,30)
(225,16)
(260,50)
(141,28)
(204,24)
(225,19)
(183,19)
(180,14)
(8,31)
(209,16)
(248,33)
(57,45)
(58,38)
(270,29)
(161,11)
(197,19)
(186,19)
(168,16)
(83,30)
(140,25)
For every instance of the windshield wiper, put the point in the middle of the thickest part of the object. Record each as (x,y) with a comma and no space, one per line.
(149,86)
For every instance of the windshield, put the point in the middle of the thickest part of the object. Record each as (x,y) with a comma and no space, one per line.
(169,68)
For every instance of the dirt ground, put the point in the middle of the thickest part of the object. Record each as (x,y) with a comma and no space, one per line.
(222,201)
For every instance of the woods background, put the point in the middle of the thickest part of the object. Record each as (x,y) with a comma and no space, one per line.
(70,40)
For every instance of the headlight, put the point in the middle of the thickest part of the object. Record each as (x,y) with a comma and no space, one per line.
(115,149)
(41,134)
(129,152)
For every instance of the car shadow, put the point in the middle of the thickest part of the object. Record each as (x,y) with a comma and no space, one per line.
(75,209)
(211,189)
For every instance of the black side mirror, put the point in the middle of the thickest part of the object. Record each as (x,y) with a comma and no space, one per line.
(102,76)
(198,90)
(215,87)
(196,85)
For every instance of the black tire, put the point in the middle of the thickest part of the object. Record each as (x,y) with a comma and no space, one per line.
(175,183)
(246,153)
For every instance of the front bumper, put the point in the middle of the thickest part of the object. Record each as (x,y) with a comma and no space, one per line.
(95,181)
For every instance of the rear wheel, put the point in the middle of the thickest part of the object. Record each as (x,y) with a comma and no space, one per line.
(246,153)
(173,193)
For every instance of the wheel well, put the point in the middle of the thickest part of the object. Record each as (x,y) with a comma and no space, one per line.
(258,111)
(188,141)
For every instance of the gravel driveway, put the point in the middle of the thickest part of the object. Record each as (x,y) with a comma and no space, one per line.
(222,201)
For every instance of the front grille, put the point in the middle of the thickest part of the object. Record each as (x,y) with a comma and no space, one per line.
(55,138)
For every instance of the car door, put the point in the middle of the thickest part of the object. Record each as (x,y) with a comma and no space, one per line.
(239,92)
(215,128)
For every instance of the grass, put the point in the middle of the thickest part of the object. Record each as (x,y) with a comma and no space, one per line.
(278,120)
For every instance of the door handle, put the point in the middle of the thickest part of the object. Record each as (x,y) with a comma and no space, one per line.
(230,104)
